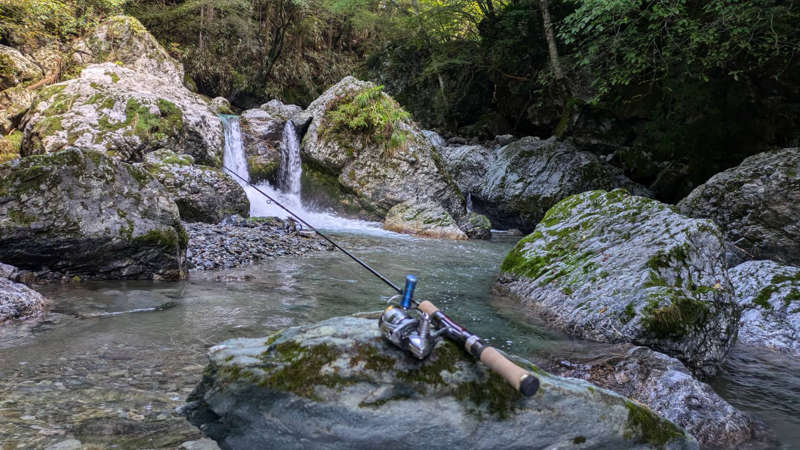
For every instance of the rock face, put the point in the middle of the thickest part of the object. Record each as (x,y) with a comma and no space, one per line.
(379,170)
(425,219)
(338,384)
(202,193)
(125,113)
(14,103)
(665,386)
(769,294)
(125,41)
(83,213)
(757,206)
(19,302)
(612,267)
(16,68)
(261,137)
(518,183)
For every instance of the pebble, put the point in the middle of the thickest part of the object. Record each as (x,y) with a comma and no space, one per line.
(239,242)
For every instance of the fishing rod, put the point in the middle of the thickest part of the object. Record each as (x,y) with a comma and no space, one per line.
(300,219)
(416,335)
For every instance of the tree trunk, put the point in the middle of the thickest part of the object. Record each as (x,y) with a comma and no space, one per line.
(551,41)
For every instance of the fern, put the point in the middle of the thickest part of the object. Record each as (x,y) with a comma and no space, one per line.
(371,113)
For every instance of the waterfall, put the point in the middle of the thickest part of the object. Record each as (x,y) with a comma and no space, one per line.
(291,168)
(234,158)
(288,193)
(469,202)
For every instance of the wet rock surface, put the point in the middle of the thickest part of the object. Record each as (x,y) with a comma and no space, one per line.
(202,193)
(85,214)
(668,388)
(769,294)
(613,267)
(339,384)
(757,206)
(19,302)
(241,242)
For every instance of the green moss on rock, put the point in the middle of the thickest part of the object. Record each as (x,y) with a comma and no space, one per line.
(653,429)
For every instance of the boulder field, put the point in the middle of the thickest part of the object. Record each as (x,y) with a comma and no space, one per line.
(340,384)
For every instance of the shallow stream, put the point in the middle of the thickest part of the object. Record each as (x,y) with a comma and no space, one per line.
(117,380)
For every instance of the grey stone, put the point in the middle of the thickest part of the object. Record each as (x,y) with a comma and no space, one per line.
(125,41)
(756,204)
(522,180)
(378,174)
(278,110)
(83,213)
(769,294)
(19,302)
(200,444)
(665,386)
(612,267)
(125,113)
(468,165)
(221,105)
(202,193)
(14,103)
(339,385)
(17,68)
(262,133)
(422,219)
(69,444)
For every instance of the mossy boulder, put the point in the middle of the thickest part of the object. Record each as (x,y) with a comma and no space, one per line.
(16,68)
(769,294)
(124,113)
(339,385)
(361,136)
(524,179)
(202,193)
(262,134)
(82,213)
(613,267)
(422,219)
(14,103)
(19,302)
(123,40)
(757,206)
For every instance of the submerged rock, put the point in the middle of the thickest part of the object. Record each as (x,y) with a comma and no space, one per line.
(125,41)
(202,193)
(612,267)
(524,179)
(769,294)
(665,386)
(339,384)
(19,302)
(381,167)
(425,219)
(757,206)
(83,213)
(125,113)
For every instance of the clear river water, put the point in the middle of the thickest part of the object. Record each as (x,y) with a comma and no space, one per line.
(116,381)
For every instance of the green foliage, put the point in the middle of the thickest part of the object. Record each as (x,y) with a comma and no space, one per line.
(25,21)
(370,113)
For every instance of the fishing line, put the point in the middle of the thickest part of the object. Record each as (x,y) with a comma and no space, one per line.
(299,219)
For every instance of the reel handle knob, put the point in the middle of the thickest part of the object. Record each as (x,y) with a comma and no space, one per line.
(408,291)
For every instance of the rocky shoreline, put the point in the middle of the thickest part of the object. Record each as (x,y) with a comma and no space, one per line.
(238,242)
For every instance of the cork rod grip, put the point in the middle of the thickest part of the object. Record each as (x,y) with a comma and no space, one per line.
(428,308)
(517,377)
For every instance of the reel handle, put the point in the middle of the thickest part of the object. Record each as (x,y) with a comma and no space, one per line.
(520,379)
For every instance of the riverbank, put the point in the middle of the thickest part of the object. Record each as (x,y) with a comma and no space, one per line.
(120,378)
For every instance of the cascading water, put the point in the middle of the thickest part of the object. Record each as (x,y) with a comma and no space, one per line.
(291,168)
(288,193)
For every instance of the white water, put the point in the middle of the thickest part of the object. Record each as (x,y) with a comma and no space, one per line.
(291,168)
(290,198)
